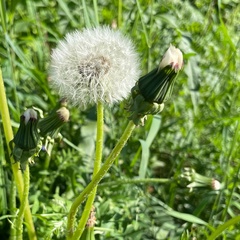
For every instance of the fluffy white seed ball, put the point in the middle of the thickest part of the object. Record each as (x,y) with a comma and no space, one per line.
(98,64)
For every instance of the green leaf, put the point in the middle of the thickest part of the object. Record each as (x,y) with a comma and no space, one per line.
(145,144)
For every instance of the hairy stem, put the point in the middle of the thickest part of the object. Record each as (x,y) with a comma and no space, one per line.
(134,181)
(97,165)
(24,202)
(13,208)
(97,178)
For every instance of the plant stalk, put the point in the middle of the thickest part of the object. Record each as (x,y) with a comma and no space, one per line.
(96,179)
(97,165)
(24,202)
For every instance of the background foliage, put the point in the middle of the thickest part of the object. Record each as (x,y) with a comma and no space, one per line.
(199,127)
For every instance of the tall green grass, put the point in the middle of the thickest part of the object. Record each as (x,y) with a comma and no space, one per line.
(144,195)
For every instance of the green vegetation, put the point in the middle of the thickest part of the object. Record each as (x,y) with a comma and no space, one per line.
(194,140)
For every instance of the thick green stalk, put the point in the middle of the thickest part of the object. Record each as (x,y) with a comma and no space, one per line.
(105,167)
(97,165)
(18,178)
(12,206)
(24,202)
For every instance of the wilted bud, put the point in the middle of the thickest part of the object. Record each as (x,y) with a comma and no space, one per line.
(27,138)
(52,123)
(154,88)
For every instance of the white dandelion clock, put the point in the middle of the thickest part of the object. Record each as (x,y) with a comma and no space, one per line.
(94,65)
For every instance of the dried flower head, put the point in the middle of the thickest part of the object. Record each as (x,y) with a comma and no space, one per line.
(98,64)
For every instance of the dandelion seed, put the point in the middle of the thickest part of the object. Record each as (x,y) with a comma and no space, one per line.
(98,64)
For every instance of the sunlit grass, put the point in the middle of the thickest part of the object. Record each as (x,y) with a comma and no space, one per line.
(199,127)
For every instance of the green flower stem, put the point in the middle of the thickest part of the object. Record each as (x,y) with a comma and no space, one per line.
(97,165)
(24,202)
(12,206)
(103,170)
(18,178)
(134,181)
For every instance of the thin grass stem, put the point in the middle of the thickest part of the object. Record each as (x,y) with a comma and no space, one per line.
(120,6)
(95,6)
(220,229)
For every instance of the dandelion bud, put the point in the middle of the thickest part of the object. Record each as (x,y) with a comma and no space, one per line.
(51,123)
(94,65)
(154,88)
(157,85)
(27,138)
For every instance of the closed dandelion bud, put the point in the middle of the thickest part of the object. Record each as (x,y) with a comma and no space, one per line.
(27,138)
(156,87)
(52,123)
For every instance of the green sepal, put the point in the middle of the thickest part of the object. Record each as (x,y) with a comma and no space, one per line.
(27,136)
(157,85)
(25,156)
(140,108)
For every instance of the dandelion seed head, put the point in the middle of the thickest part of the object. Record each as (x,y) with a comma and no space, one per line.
(98,64)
